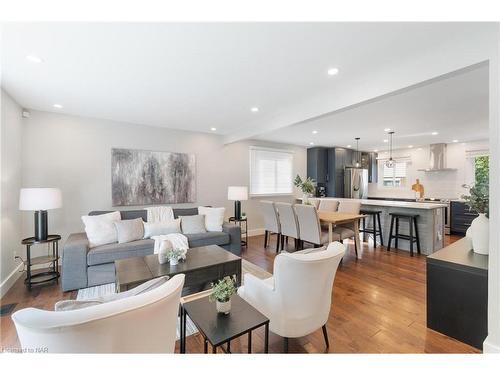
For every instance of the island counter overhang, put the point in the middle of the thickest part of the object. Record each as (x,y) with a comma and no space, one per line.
(430,221)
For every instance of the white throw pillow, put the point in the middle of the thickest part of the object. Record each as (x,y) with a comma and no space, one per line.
(214,217)
(162,227)
(101,229)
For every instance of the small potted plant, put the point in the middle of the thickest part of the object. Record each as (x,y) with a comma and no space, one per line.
(306,186)
(478,200)
(175,255)
(222,291)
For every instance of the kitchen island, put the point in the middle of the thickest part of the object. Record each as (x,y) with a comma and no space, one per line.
(430,221)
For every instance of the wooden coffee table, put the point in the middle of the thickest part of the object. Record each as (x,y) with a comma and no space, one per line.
(202,266)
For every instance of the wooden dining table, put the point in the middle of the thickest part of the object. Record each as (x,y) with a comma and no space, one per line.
(333,218)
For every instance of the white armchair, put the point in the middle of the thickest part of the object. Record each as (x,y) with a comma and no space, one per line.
(145,323)
(297,299)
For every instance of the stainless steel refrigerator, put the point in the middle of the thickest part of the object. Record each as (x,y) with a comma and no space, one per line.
(355,183)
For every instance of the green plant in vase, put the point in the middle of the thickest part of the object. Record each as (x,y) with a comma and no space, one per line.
(306,186)
(222,291)
(479,200)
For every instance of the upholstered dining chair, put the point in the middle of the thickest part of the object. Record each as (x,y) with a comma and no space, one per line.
(288,223)
(314,202)
(298,298)
(346,231)
(143,323)
(328,205)
(309,226)
(271,223)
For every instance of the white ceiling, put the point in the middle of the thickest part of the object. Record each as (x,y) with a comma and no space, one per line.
(455,106)
(195,76)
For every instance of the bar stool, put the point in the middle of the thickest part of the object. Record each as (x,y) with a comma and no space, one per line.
(412,221)
(376,229)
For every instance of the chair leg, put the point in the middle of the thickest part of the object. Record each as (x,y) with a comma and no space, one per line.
(282,242)
(325,335)
(390,234)
(411,236)
(266,234)
(380,231)
(356,248)
(278,240)
(364,229)
(416,234)
(285,344)
(396,239)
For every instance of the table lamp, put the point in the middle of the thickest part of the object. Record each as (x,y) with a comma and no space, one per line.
(237,194)
(40,200)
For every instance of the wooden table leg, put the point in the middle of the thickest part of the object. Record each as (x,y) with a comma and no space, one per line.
(330,232)
(356,239)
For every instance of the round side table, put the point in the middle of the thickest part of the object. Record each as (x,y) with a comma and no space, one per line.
(51,258)
(244,230)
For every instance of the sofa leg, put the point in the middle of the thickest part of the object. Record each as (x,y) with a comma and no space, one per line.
(285,344)
(325,335)
(266,234)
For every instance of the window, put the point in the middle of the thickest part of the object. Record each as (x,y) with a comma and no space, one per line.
(477,167)
(395,176)
(270,171)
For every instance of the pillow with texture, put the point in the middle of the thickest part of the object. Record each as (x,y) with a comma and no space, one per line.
(101,229)
(214,217)
(162,227)
(129,230)
(193,224)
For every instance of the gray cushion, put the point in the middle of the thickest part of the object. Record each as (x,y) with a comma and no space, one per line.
(185,212)
(208,238)
(129,230)
(111,252)
(193,224)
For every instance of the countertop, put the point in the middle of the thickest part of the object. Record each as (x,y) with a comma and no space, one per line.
(387,203)
(460,255)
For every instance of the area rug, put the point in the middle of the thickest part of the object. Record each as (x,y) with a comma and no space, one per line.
(107,289)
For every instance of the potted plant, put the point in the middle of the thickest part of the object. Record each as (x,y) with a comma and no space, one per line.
(478,200)
(222,291)
(176,254)
(306,186)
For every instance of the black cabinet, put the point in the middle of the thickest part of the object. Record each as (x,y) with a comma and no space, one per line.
(372,167)
(317,164)
(460,217)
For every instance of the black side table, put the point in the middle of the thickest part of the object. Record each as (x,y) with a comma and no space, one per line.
(244,230)
(219,329)
(52,258)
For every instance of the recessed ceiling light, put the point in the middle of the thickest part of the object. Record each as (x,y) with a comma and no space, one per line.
(311,143)
(410,146)
(455,141)
(213,129)
(315,132)
(349,146)
(34,59)
(419,149)
(387,129)
(434,133)
(333,71)
(58,106)
(386,140)
(375,150)
(254,109)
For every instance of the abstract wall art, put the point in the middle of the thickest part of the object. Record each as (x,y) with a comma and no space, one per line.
(152,177)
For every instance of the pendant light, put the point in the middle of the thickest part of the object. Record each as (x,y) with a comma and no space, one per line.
(357,152)
(390,163)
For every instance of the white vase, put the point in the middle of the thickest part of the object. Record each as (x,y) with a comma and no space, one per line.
(223,307)
(480,232)
(305,198)
(174,261)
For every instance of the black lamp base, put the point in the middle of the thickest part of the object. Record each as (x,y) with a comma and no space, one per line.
(237,210)
(41,226)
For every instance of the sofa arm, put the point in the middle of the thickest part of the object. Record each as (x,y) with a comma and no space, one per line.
(234,232)
(74,262)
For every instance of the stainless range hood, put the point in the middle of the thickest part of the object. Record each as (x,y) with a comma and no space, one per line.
(437,158)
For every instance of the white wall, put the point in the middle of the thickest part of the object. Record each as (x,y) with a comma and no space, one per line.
(74,154)
(444,184)
(11,234)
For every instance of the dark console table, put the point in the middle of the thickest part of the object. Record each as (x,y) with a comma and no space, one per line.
(457,293)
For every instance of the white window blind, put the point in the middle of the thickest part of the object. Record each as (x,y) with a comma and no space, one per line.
(399,170)
(270,171)
(394,176)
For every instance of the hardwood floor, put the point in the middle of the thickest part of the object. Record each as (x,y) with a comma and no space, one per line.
(378,306)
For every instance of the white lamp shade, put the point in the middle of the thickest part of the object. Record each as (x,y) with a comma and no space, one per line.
(38,199)
(237,193)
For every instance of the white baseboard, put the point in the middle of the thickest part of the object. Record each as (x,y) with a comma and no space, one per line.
(256,232)
(489,347)
(10,280)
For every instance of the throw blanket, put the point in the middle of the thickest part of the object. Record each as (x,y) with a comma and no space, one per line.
(160,213)
(175,240)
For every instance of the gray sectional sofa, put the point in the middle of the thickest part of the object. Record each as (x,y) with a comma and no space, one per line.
(83,267)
